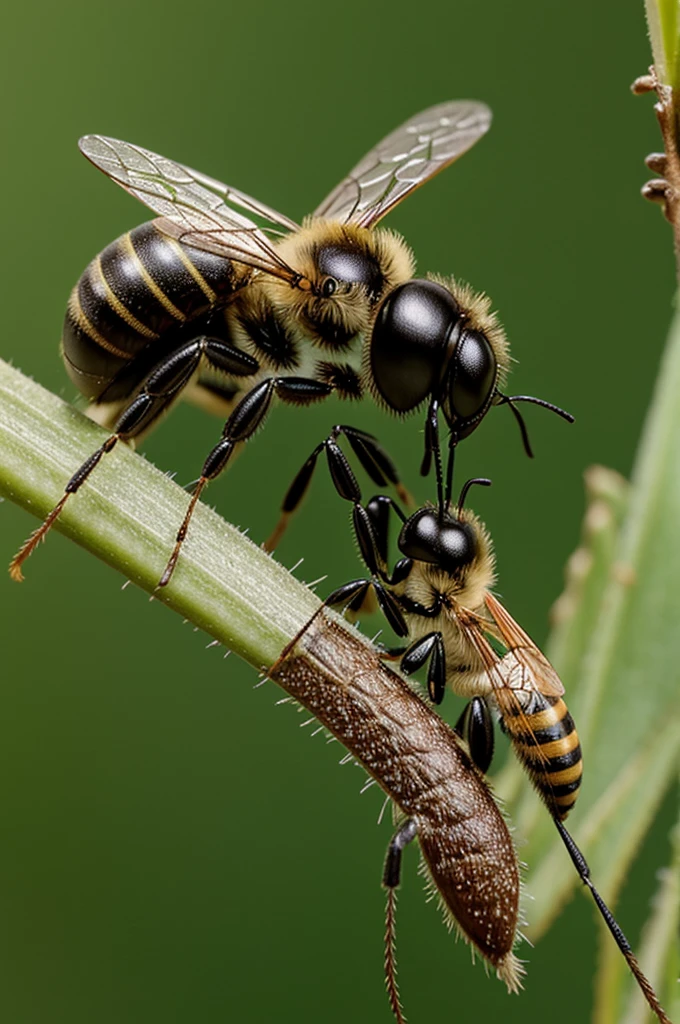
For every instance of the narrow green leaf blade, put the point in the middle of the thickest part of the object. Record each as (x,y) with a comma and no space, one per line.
(627,704)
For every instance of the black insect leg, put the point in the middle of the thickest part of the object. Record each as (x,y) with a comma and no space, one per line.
(429,648)
(433,450)
(453,441)
(343,478)
(391,880)
(583,870)
(375,461)
(400,840)
(248,415)
(371,528)
(372,456)
(475,726)
(354,595)
(161,387)
(378,510)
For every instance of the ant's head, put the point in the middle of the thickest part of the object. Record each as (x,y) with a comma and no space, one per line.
(425,342)
(441,537)
(434,339)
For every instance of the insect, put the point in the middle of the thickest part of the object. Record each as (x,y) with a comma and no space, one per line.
(439,792)
(208,302)
(439,597)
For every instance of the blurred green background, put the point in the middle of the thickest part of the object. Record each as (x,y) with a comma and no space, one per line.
(174,848)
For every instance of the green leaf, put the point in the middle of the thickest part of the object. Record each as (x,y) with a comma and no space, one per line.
(574,615)
(626,699)
(662,21)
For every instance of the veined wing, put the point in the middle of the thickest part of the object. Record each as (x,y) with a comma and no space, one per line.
(521,672)
(194,207)
(536,670)
(405,159)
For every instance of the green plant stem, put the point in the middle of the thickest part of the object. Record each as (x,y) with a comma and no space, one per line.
(127,515)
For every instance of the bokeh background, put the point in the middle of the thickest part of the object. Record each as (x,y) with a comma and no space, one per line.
(174,847)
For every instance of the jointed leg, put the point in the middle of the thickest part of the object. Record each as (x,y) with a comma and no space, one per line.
(475,726)
(372,456)
(391,879)
(248,415)
(429,648)
(161,387)
(433,450)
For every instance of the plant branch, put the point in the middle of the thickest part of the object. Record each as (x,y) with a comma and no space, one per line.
(128,515)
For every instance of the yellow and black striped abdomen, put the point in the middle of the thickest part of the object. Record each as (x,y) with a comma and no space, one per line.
(546,742)
(140,293)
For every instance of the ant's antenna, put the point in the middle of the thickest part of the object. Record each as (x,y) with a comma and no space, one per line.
(511,399)
(483,481)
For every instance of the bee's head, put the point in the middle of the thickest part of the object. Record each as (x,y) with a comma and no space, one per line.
(350,269)
(449,540)
(441,540)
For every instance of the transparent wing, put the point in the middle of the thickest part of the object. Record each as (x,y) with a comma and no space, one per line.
(196,209)
(509,697)
(523,670)
(405,159)
(533,668)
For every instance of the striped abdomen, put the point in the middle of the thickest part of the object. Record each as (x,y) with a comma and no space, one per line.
(546,742)
(133,299)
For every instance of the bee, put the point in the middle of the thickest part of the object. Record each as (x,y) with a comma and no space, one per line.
(234,311)
(439,793)
(439,596)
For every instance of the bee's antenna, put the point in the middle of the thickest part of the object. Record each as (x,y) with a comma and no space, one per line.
(511,399)
(483,481)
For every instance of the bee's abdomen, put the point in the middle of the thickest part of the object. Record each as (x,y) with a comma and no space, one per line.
(546,742)
(141,289)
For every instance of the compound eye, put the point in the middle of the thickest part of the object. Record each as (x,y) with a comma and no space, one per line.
(329,287)
(347,263)
(472,379)
(419,537)
(458,546)
(447,543)
(409,340)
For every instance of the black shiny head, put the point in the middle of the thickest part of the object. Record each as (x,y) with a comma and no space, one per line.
(440,540)
(409,342)
(421,347)
(349,264)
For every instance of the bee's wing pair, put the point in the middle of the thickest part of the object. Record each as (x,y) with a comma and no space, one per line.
(205,213)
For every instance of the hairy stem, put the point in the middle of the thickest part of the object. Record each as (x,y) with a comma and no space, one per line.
(127,515)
